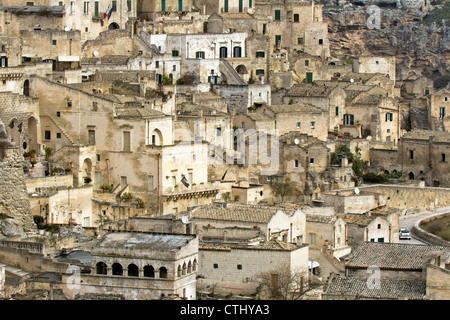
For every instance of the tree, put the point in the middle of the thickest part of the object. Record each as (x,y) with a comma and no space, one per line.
(283,283)
(282,189)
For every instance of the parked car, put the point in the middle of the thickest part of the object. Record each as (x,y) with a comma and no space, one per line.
(404,234)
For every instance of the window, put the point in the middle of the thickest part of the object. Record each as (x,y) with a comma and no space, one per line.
(320,41)
(295,163)
(441,112)
(225,9)
(128,5)
(277,15)
(313,124)
(250,3)
(312,238)
(446,99)
(123,181)
(174,68)
(156,64)
(260,54)
(114,6)
(200,55)
(259,72)
(150,182)
(91,136)
(223,52)
(443,157)
(96,8)
(389,117)
(311,161)
(98,157)
(300,41)
(306,63)
(175,53)
(277,40)
(239,266)
(126,141)
(47,135)
(174,181)
(237,52)
(219,131)
(215,265)
(30,3)
(86,7)
(380,239)
(72,7)
(349,119)
(58,114)
(296,17)
(54,42)
(379,226)
(163,5)
(58,135)
(298,125)
(337,112)
(411,154)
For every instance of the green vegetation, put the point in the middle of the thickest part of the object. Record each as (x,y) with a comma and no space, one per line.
(139,202)
(358,164)
(106,187)
(439,13)
(126,196)
(439,227)
(41,225)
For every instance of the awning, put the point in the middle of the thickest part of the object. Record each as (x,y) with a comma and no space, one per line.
(68,58)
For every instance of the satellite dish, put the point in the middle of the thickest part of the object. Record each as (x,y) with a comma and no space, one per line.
(356,191)
(67,28)
(352,80)
(296,141)
(95,53)
(184,219)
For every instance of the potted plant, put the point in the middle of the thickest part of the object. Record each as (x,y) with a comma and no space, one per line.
(126,196)
(106,187)
(139,202)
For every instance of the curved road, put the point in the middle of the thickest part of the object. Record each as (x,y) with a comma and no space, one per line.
(409,221)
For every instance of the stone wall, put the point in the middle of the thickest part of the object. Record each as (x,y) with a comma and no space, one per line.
(438,283)
(421,233)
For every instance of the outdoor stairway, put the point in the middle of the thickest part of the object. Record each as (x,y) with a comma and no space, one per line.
(232,76)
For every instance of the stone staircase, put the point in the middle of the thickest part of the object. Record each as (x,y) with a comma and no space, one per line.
(326,265)
(60,128)
(232,76)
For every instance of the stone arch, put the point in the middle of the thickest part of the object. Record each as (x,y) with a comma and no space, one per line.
(26,88)
(241,69)
(100,268)
(194,265)
(179,272)
(86,170)
(411,176)
(386,172)
(184,269)
(117,269)
(32,134)
(133,270)
(15,131)
(189,267)
(163,272)
(149,271)
(113,26)
(156,138)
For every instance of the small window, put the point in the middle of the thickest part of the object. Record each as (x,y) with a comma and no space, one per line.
(215,265)
(174,68)
(200,55)
(58,114)
(411,154)
(443,157)
(311,161)
(298,125)
(296,17)
(58,135)
(337,111)
(260,54)
(295,163)
(219,131)
(239,266)
(320,41)
(300,41)
(98,157)
(175,53)
(313,124)
(156,64)
(379,226)
(259,72)
(306,63)
(47,135)
(54,42)
(277,15)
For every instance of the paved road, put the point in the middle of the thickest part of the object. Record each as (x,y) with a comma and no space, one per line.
(410,220)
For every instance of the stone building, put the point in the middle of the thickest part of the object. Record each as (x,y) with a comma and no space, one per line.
(439,108)
(376,64)
(142,266)
(423,155)
(233,263)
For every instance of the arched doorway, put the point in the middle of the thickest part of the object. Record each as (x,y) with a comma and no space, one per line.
(15,130)
(117,269)
(26,88)
(163,272)
(411,176)
(133,270)
(113,26)
(86,171)
(156,138)
(149,271)
(100,268)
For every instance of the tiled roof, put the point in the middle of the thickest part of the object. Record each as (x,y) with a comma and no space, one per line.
(309,90)
(266,245)
(320,218)
(359,219)
(394,255)
(244,213)
(417,134)
(387,289)
(290,108)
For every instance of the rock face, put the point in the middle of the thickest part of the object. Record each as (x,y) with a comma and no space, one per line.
(400,33)
(10,228)
(14,200)
(75,231)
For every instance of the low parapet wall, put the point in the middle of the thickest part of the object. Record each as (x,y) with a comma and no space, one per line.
(427,236)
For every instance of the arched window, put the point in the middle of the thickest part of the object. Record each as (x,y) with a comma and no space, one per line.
(411,176)
(113,26)
(189,268)
(26,88)
(194,265)
(184,268)
(156,138)
(100,268)
(133,270)
(163,272)
(149,272)
(179,271)
(117,269)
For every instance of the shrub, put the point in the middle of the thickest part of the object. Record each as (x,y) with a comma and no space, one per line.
(126,196)
(106,187)
(371,177)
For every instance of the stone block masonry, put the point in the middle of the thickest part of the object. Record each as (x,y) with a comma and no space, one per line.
(14,200)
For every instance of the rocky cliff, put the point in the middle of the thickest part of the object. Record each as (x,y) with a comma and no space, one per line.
(408,34)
